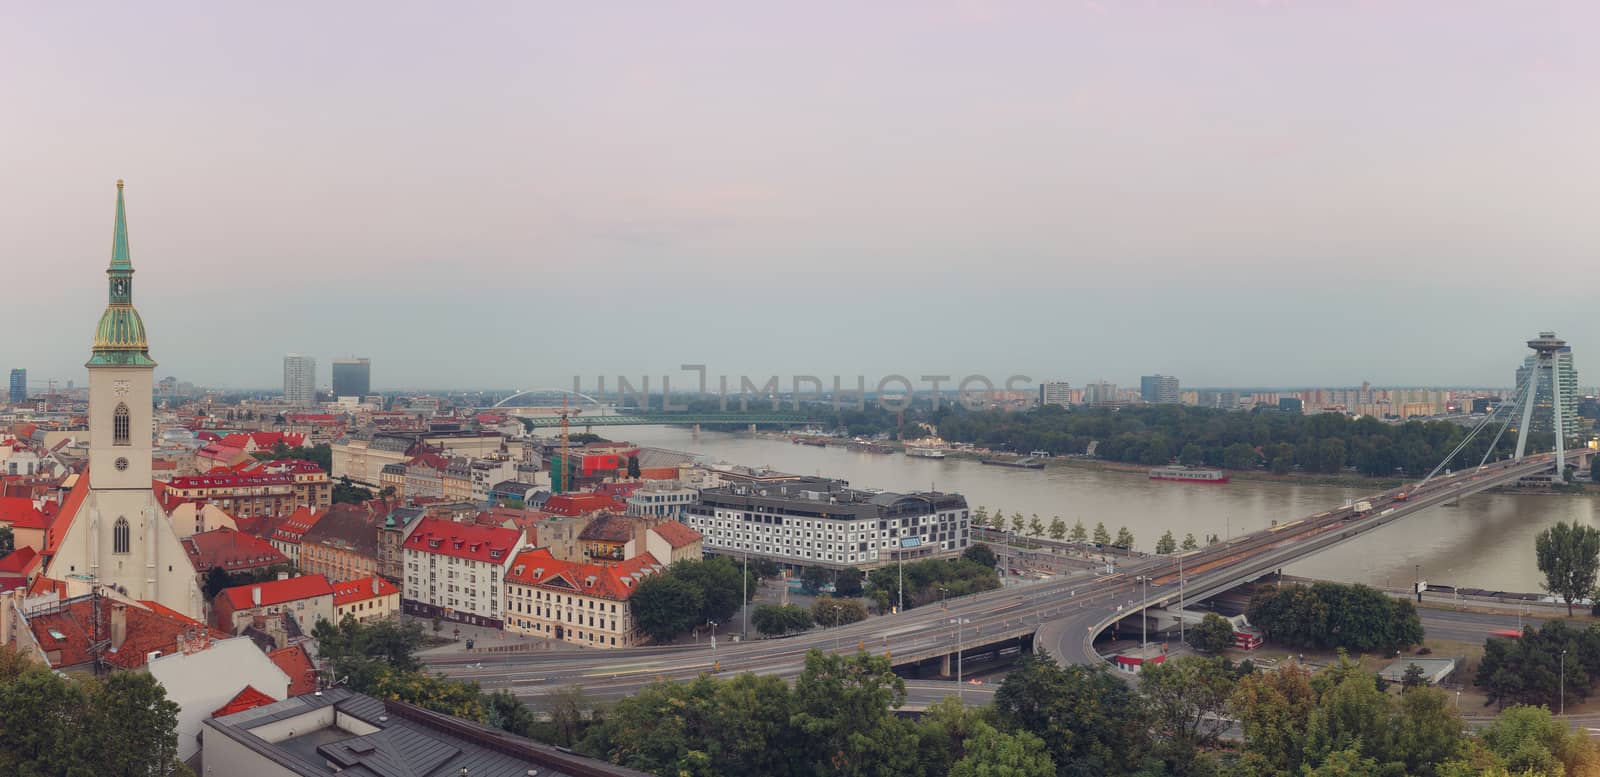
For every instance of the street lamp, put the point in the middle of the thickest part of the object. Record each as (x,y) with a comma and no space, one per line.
(942,592)
(960,692)
(1144,622)
(1563,681)
(1180,601)
(713,625)
(744,590)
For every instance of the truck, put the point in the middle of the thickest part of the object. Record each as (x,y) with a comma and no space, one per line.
(1361,508)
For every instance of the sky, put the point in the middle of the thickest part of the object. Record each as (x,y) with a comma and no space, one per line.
(510,194)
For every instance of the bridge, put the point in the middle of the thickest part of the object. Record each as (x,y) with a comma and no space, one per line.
(625,418)
(1063,617)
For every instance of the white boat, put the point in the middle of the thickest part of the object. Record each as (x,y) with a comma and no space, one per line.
(922,452)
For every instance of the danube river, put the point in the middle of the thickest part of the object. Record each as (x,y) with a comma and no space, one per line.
(1486,542)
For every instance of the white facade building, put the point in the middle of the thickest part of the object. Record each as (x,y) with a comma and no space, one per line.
(456,571)
(819,522)
(299,380)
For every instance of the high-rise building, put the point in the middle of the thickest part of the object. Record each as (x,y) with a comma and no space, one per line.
(19,386)
(1099,392)
(1159,388)
(352,378)
(300,380)
(1055,392)
(1543,419)
(111,530)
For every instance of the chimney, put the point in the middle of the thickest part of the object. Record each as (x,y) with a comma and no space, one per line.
(374,585)
(255,596)
(119,625)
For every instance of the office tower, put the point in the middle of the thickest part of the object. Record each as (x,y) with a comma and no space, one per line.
(1055,392)
(352,378)
(300,380)
(1099,392)
(1159,388)
(19,386)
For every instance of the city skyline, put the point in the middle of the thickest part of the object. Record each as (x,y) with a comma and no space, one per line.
(1237,194)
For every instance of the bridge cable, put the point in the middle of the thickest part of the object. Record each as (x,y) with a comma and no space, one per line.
(1526,396)
(1474,433)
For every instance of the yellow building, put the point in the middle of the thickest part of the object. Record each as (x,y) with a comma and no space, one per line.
(584,604)
(366,599)
(342,545)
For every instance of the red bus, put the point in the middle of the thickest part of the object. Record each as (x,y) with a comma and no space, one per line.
(1507,633)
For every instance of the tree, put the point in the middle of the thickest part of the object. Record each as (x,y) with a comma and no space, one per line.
(721,583)
(633,467)
(1531,739)
(1124,539)
(1167,544)
(848,582)
(1017,522)
(1214,634)
(1186,698)
(1414,677)
(828,611)
(775,619)
(216,579)
(1101,536)
(347,492)
(979,553)
(1058,529)
(1274,710)
(1035,526)
(1189,542)
(1092,723)
(1569,557)
(1192,456)
(1079,534)
(665,606)
(1429,730)
(993,753)
(843,719)
(1239,456)
(980,517)
(7,542)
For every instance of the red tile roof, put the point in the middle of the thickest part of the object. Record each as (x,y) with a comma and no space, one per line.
(231,479)
(247,699)
(264,440)
(573,505)
(64,516)
(162,609)
(616,582)
(278,591)
(20,513)
(361,590)
(18,561)
(231,550)
(70,629)
(676,534)
(608,528)
(296,663)
(294,527)
(464,540)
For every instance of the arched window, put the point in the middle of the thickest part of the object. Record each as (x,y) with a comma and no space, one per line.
(119,536)
(119,426)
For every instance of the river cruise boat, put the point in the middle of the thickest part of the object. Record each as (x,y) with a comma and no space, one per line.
(1184,474)
(922,452)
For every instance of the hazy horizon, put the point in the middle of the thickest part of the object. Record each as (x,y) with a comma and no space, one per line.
(1234,193)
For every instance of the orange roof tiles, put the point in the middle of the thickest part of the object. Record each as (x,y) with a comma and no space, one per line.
(277,591)
(463,540)
(296,663)
(617,582)
(247,699)
(68,631)
(20,513)
(231,550)
(18,561)
(676,534)
(358,590)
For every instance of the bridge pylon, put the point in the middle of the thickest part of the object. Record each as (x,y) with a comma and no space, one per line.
(1548,350)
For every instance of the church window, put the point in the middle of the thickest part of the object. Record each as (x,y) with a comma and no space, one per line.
(120,426)
(119,536)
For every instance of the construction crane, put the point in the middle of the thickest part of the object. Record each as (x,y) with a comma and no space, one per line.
(566,445)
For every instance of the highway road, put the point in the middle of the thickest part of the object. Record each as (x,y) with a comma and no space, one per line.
(1064,614)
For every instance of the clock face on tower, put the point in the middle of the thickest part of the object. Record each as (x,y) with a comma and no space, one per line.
(121,464)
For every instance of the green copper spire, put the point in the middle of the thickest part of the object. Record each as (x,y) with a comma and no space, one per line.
(120,340)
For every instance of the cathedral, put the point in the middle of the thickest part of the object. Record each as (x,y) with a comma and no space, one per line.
(111,530)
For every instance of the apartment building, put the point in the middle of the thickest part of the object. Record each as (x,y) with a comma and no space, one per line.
(455,570)
(584,604)
(822,522)
(275,489)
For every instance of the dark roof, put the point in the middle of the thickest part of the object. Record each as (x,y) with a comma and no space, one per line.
(409,742)
(347,526)
(608,528)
